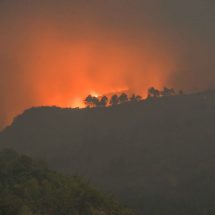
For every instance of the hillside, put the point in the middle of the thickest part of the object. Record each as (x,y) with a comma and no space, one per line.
(27,187)
(157,155)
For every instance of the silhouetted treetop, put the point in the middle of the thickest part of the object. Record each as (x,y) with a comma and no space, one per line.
(114,100)
(123,98)
(135,98)
(167,91)
(88,101)
(153,92)
(103,102)
(91,101)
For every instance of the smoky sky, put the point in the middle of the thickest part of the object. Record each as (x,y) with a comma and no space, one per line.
(56,51)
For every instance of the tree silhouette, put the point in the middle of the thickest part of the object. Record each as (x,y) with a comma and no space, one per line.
(135,98)
(167,91)
(91,101)
(114,100)
(88,101)
(138,98)
(153,92)
(95,101)
(103,102)
(123,98)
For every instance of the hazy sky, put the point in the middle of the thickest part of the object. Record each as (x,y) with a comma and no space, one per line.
(54,52)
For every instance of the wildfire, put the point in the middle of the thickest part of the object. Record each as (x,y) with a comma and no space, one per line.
(93,93)
(62,72)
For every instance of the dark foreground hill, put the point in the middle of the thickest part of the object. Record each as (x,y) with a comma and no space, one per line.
(27,187)
(156,155)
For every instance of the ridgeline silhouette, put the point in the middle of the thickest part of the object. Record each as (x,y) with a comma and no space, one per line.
(157,155)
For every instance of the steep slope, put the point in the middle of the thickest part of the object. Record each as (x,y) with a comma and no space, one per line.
(29,188)
(157,155)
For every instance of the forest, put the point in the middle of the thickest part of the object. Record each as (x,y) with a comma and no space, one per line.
(28,187)
(157,156)
(107,107)
(120,98)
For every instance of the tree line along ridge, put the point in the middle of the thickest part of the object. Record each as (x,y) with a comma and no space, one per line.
(115,99)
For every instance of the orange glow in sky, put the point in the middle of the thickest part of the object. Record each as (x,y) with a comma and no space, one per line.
(62,71)
(58,52)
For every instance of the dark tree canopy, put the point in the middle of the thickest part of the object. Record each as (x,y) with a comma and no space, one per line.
(88,101)
(28,187)
(91,101)
(167,91)
(153,92)
(103,101)
(123,98)
(95,101)
(135,98)
(114,100)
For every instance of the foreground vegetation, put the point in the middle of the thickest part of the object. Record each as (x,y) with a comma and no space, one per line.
(29,188)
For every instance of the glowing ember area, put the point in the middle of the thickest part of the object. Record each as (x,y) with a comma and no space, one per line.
(94,94)
(64,70)
(61,70)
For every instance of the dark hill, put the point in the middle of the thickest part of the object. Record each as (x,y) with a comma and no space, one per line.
(157,155)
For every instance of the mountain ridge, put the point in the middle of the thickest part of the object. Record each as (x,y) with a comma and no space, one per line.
(154,154)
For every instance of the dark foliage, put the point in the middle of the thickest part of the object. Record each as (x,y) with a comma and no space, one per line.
(123,98)
(167,92)
(153,92)
(29,188)
(92,101)
(103,102)
(114,100)
(157,155)
(135,98)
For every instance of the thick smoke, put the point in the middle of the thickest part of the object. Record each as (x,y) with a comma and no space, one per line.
(56,52)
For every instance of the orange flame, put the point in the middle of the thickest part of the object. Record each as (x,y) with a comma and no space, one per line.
(63,71)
